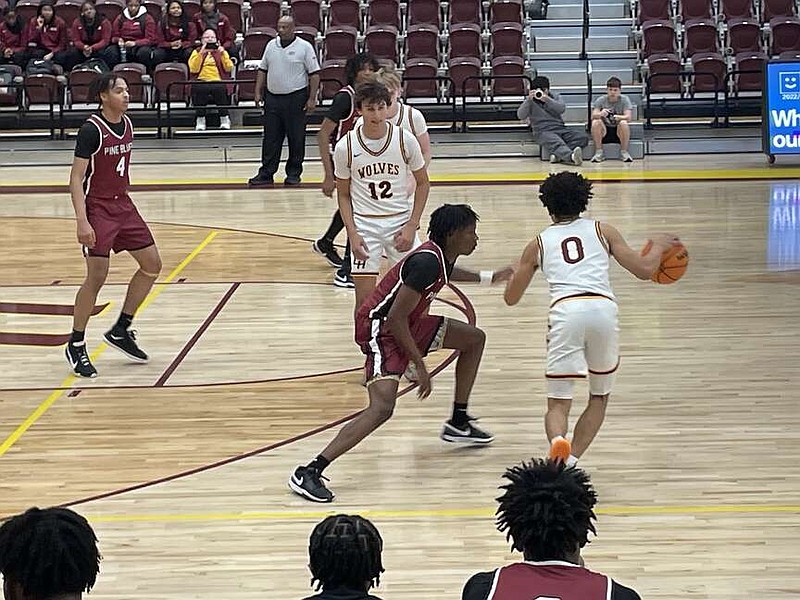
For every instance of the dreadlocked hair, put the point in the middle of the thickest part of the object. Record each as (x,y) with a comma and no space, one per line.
(565,194)
(49,552)
(448,219)
(546,510)
(345,551)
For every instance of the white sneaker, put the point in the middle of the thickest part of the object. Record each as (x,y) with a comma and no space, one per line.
(225,122)
(598,156)
(577,157)
(200,125)
(553,158)
(625,156)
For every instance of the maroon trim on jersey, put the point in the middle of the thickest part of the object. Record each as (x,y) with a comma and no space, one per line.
(344,126)
(555,578)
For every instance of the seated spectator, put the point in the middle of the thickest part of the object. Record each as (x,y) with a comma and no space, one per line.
(547,512)
(345,558)
(211,63)
(610,121)
(209,17)
(91,38)
(46,35)
(48,554)
(134,34)
(176,35)
(542,110)
(12,30)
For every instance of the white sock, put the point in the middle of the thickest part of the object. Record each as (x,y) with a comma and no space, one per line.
(572,461)
(558,437)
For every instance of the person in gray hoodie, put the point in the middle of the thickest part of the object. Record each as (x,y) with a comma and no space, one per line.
(542,110)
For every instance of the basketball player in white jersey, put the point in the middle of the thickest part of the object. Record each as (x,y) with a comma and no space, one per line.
(583,335)
(372,164)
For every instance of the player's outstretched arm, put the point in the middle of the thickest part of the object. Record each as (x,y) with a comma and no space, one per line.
(484,277)
(523,274)
(629,259)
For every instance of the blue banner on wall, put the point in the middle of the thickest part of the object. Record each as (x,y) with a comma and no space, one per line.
(781,119)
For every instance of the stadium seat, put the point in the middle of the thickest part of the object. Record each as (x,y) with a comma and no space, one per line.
(345,12)
(42,89)
(424,12)
(136,76)
(658,38)
(69,10)
(421,88)
(167,73)
(155,8)
(233,10)
(653,10)
(505,11)
(465,11)
(709,72)
(693,10)
(460,69)
(465,40)
(384,13)
(660,67)
(265,13)
(737,9)
(306,13)
(508,65)
(749,61)
(700,36)
(255,41)
(744,36)
(381,40)
(777,8)
(26,10)
(79,81)
(422,41)
(507,39)
(785,34)
(11,96)
(341,41)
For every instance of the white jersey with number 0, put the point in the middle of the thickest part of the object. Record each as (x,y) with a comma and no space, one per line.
(574,259)
(378,170)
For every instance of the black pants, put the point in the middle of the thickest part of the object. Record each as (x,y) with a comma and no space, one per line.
(17,58)
(163,55)
(284,117)
(76,57)
(135,54)
(60,58)
(210,93)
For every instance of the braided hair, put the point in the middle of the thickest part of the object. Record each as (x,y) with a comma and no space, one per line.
(448,219)
(546,510)
(345,551)
(49,552)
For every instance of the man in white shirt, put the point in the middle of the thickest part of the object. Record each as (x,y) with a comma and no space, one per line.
(290,70)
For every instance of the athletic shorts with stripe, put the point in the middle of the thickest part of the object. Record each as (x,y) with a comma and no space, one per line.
(582,339)
(117,225)
(378,234)
(385,358)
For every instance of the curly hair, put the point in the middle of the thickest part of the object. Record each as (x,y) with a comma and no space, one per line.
(546,510)
(49,552)
(565,194)
(356,63)
(449,218)
(345,551)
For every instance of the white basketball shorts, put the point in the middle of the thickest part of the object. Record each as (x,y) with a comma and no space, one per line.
(378,234)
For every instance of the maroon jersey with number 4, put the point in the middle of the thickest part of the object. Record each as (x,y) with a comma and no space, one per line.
(551,580)
(107,173)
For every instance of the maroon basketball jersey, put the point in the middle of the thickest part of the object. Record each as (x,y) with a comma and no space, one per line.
(377,305)
(346,124)
(107,173)
(551,580)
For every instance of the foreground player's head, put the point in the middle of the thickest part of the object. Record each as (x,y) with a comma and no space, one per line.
(358,68)
(565,195)
(345,552)
(547,510)
(111,91)
(373,100)
(46,554)
(452,227)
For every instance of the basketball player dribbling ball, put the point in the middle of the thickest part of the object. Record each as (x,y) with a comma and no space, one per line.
(372,164)
(107,220)
(583,335)
(393,328)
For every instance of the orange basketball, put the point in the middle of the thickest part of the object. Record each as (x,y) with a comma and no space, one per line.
(674,263)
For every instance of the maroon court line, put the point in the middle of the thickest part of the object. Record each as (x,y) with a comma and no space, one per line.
(197,335)
(469,312)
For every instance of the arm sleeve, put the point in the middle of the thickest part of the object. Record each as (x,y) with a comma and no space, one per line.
(420,271)
(620,592)
(554,105)
(340,168)
(264,64)
(626,103)
(75,34)
(149,32)
(418,122)
(415,159)
(311,62)
(478,587)
(63,36)
(598,103)
(195,63)
(226,61)
(524,110)
(115,30)
(88,141)
(340,107)
(161,36)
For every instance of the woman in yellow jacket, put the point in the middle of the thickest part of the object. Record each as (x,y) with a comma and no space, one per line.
(211,63)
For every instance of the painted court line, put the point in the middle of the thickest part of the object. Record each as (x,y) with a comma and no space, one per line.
(67,383)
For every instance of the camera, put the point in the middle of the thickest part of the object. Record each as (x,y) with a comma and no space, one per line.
(612,118)
(538,94)
(212,46)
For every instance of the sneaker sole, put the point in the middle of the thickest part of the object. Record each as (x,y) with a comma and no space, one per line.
(301,492)
(76,373)
(560,450)
(315,249)
(457,439)
(344,286)
(135,359)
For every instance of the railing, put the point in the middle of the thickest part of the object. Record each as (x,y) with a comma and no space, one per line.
(451,98)
(589,95)
(482,78)
(585,29)
(682,76)
(55,97)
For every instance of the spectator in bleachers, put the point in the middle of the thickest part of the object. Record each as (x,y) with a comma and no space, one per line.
(91,37)
(176,35)
(610,121)
(344,554)
(48,554)
(542,110)
(12,30)
(46,36)
(211,63)
(134,34)
(209,17)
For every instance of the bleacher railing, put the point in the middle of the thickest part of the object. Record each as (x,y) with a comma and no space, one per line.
(589,95)
(585,28)
(483,78)
(683,77)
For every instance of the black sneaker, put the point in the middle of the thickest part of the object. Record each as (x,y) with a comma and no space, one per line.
(124,340)
(343,281)
(289,181)
(326,249)
(307,483)
(78,360)
(260,181)
(469,434)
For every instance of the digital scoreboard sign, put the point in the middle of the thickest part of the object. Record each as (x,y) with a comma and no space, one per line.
(781,116)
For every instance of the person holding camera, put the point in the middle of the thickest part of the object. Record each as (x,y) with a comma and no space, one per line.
(211,63)
(610,121)
(542,110)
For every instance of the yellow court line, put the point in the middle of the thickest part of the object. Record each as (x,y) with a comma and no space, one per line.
(67,383)
(445,513)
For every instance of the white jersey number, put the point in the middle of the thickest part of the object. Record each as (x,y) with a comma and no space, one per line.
(572,250)
(120,168)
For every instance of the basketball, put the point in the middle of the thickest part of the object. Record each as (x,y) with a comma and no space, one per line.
(674,263)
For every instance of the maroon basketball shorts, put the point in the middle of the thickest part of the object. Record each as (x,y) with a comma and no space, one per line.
(386,359)
(117,225)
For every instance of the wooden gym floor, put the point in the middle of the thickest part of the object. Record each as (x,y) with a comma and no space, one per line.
(697,466)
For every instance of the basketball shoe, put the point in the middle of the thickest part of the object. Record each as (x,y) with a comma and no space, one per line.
(78,359)
(468,434)
(560,449)
(307,482)
(124,340)
(326,249)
